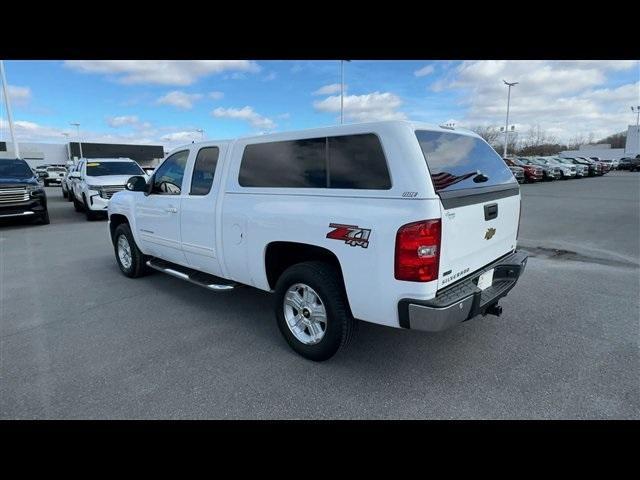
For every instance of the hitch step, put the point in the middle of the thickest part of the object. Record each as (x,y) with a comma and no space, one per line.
(210,282)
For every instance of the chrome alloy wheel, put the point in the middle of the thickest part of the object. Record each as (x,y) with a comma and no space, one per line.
(124,251)
(305,314)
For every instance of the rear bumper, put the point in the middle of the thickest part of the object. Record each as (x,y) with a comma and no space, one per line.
(464,300)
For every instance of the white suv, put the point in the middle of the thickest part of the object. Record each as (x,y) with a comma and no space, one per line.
(94,181)
(397,223)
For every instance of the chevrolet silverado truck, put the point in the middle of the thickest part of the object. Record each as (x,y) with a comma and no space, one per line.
(397,223)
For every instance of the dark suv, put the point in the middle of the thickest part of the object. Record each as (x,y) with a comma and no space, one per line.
(20,193)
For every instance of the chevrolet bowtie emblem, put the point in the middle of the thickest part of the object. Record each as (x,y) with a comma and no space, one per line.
(490,233)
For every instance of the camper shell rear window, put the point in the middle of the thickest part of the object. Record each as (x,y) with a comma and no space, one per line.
(461,162)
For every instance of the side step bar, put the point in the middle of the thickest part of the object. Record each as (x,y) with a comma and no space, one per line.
(210,282)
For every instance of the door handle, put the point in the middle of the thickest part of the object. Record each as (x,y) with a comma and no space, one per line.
(172,210)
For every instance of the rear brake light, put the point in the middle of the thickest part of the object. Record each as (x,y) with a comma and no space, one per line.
(418,251)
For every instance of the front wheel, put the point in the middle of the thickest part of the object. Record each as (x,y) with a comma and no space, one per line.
(312,311)
(131,260)
(44,218)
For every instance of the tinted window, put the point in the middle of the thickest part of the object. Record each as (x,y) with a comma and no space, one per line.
(100,169)
(357,161)
(204,170)
(293,164)
(455,160)
(350,161)
(168,177)
(15,169)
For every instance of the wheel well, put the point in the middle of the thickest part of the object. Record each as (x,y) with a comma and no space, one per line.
(281,255)
(115,220)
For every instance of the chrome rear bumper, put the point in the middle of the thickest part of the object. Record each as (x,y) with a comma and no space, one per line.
(463,300)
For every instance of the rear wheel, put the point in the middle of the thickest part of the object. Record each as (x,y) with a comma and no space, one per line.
(130,259)
(64,193)
(312,311)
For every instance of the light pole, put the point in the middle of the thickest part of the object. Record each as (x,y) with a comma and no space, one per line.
(342,90)
(77,125)
(66,135)
(201,132)
(636,110)
(506,124)
(3,79)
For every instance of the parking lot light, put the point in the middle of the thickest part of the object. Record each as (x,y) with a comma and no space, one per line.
(506,125)
(77,125)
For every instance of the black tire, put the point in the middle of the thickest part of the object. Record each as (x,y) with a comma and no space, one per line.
(46,184)
(69,196)
(77,206)
(44,218)
(90,214)
(138,266)
(325,279)
(64,193)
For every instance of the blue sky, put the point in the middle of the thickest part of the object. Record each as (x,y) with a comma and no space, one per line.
(166,101)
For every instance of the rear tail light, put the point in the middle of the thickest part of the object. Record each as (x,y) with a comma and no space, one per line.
(418,251)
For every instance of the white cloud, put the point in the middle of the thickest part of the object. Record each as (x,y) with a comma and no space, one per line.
(424,71)
(563,97)
(161,72)
(180,137)
(121,121)
(216,95)
(19,95)
(247,114)
(329,89)
(179,99)
(271,76)
(362,108)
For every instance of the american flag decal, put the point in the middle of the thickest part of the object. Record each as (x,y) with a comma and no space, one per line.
(351,234)
(443,180)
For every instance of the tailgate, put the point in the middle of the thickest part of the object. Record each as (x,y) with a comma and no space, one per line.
(476,234)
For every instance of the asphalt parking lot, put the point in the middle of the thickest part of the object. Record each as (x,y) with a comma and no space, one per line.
(79,340)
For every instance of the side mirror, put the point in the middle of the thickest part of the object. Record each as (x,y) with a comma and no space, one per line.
(136,184)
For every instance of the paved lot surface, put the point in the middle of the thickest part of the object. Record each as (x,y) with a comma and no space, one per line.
(79,340)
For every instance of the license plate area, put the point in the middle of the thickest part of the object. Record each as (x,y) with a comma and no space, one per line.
(485,280)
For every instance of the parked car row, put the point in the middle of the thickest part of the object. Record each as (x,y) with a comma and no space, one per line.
(536,169)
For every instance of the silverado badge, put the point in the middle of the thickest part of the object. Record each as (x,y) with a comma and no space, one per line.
(350,234)
(490,233)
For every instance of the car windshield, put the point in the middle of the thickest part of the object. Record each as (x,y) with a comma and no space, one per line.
(56,169)
(458,162)
(99,169)
(14,168)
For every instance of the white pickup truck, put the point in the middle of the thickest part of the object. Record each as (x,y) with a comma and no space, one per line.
(397,223)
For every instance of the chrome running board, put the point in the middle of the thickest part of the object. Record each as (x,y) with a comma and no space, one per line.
(210,282)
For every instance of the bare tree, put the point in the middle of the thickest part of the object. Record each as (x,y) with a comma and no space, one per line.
(489,134)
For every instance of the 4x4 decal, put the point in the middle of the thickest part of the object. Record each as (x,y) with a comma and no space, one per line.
(350,234)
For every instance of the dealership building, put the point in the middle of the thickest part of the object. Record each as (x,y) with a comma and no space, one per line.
(59,153)
(604,150)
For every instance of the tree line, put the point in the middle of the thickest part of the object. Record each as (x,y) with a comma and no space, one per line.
(539,142)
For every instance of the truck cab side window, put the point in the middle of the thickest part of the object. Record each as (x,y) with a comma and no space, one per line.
(167,179)
(204,170)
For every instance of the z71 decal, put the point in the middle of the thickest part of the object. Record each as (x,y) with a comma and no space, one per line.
(350,234)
